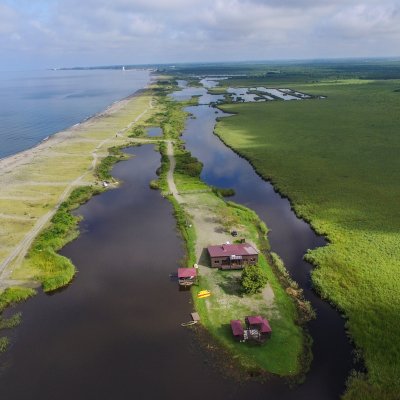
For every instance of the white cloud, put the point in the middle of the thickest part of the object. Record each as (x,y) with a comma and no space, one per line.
(70,32)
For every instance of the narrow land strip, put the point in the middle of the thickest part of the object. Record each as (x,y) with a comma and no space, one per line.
(57,166)
(212,219)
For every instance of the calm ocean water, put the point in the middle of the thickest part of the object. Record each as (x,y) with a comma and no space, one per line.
(36,104)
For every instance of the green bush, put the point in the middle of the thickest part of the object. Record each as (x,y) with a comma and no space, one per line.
(3,344)
(188,165)
(137,131)
(224,192)
(253,279)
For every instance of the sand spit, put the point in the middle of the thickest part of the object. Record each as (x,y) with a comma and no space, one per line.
(35,181)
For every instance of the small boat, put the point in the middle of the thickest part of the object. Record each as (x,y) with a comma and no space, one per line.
(189,323)
(203,293)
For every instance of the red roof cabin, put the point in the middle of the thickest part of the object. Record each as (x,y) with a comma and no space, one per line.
(237,329)
(260,325)
(232,256)
(187,276)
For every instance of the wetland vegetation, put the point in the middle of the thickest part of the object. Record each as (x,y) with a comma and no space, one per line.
(337,160)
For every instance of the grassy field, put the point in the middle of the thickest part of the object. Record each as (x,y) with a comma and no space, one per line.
(338,161)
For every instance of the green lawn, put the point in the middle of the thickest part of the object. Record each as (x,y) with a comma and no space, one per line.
(338,160)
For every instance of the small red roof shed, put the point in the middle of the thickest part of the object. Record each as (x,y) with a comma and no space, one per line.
(187,273)
(262,322)
(237,328)
(265,327)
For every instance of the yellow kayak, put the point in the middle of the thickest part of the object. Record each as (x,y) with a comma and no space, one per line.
(203,293)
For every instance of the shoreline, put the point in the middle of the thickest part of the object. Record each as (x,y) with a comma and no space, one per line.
(55,138)
(37,180)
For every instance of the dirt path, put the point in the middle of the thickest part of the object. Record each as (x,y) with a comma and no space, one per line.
(170,175)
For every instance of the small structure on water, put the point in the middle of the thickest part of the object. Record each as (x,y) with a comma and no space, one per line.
(232,256)
(257,329)
(195,319)
(187,276)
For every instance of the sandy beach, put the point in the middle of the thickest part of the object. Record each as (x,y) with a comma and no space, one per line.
(35,181)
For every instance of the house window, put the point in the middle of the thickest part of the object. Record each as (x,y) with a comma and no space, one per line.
(216,262)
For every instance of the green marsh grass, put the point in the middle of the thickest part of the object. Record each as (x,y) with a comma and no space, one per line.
(9,297)
(338,161)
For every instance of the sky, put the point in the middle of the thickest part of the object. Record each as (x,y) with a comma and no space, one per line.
(66,33)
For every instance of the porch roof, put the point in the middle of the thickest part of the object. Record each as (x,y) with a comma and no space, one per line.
(187,272)
(237,328)
(228,250)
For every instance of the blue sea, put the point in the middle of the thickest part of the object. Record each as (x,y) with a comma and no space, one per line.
(37,104)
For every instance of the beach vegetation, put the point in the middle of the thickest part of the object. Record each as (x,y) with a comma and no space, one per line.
(103,169)
(13,295)
(8,297)
(136,131)
(13,321)
(52,269)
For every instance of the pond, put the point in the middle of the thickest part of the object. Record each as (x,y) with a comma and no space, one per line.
(154,131)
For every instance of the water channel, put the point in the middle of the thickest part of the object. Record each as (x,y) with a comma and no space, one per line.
(290,237)
(116,331)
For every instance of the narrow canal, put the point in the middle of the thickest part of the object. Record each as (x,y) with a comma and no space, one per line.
(290,237)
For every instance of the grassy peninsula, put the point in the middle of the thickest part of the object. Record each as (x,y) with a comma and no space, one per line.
(338,161)
(205,218)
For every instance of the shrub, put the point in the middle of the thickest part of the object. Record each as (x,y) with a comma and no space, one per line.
(188,165)
(253,279)
(3,344)
(224,192)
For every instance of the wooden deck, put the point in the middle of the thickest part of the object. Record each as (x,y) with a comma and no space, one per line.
(195,316)
(231,267)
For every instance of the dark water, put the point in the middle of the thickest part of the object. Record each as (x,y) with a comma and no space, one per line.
(36,104)
(154,131)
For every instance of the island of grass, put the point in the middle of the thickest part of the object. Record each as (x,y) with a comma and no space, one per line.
(338,161)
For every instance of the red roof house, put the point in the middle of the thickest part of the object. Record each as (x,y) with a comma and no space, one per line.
(232,256)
